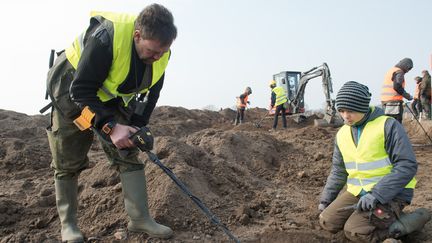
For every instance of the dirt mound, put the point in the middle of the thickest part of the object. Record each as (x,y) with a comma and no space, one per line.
(420,133)
(263,185)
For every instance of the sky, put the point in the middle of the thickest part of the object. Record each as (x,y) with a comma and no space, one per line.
(224,46)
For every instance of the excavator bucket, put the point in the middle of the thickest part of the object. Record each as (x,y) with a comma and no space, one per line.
(329,121)
(294,84)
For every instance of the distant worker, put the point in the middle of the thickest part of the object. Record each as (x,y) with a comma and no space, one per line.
(425,94)
(116,62)
(393,90)
(416,105)
(242,102)
(374,159)
(278,101)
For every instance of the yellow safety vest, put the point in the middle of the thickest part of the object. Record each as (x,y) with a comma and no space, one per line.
(388,93)
(367,163)
(123,26)
(280,95)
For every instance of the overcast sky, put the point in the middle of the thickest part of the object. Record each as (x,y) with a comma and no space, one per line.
(225,45)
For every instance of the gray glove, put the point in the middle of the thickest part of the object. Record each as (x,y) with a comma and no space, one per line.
(367,202)
(322,206)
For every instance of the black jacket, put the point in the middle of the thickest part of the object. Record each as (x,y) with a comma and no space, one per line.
(93,68)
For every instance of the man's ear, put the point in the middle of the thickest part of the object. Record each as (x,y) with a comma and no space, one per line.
(136,35)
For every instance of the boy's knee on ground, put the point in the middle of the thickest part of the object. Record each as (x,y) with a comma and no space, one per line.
(328,224)
(356,237)
(358,232)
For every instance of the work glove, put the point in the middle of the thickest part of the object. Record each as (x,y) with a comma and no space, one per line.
(143,139)
(367,203)
(322,206)
(407,96)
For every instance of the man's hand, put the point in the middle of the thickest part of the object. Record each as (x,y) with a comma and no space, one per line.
(367,202)
(120,136)
(407,96)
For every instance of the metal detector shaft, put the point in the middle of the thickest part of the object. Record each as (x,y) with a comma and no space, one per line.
(196,200)
(262,119)
(347,208)
(430,139)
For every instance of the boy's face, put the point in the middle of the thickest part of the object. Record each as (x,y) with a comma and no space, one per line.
(351,117)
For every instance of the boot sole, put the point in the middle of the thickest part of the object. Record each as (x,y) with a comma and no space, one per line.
(151,235)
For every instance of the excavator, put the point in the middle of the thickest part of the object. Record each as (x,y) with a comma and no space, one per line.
(294,84)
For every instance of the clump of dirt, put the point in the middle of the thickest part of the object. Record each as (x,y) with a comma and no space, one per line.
(264,185)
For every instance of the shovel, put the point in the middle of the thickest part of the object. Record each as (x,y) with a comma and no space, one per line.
(258,124)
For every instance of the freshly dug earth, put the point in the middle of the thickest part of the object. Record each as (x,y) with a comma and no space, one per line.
(263,185)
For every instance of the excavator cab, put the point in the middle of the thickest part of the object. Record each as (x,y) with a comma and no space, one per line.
(294,84)
(289,81)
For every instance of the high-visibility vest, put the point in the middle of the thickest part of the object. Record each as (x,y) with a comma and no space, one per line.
(239,102)
(280,95)
(417,91)
(122,26)
(368,162)
(388,93)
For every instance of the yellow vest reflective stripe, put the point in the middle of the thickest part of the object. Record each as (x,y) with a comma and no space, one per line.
(388,93)
(280,95)
(369,162)
(122,27)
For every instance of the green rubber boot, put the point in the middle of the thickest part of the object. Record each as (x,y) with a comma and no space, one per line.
(409,222)
(66,200)
(135,198)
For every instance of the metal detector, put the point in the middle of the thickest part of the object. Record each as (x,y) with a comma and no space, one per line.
(195,199)
(407,106)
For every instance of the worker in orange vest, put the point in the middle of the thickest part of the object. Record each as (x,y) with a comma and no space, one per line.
(393,90)
(416,105)
(242,102)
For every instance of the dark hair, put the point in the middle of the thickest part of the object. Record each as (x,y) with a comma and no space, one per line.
(155,22)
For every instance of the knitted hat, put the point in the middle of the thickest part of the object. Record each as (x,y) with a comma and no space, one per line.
(353,96)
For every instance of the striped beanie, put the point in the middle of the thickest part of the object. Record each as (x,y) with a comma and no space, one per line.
(353,96)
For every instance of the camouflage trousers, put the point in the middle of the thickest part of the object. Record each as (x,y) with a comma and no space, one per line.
(69,146)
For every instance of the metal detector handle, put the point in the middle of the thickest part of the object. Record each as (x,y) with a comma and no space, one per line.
(347,208)
(51,60)
(50,64)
